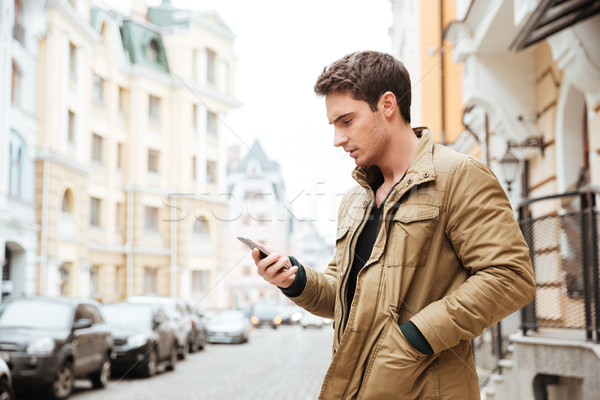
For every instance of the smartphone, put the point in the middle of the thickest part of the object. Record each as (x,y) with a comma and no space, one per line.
(253,245)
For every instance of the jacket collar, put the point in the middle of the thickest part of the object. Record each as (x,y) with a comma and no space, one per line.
(420,170)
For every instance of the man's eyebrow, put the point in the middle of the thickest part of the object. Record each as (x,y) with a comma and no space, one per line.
(342,116)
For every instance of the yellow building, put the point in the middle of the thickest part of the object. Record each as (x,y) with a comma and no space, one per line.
(532,75)
(418,41)
(132,159)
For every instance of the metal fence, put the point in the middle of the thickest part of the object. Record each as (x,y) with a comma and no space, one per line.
(564,249)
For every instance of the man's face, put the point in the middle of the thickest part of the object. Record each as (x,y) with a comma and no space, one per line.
(357,129)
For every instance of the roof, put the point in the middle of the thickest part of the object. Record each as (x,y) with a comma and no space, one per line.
(256,152)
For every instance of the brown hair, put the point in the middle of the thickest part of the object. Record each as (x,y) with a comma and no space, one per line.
(366,75)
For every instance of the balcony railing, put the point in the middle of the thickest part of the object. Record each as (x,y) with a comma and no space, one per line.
(564,249)
(19,33)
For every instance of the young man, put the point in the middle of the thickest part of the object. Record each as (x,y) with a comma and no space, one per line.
(428,253)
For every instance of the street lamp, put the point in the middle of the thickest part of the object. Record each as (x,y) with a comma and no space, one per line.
(510,166)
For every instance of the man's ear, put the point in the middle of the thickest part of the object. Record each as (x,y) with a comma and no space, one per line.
(387,104)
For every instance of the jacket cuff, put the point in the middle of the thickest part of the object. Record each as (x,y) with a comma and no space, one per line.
(414,336)
(299,284)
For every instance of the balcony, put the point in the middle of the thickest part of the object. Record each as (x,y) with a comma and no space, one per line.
(565,312)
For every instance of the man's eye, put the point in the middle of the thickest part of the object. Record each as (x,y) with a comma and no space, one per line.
(347,122)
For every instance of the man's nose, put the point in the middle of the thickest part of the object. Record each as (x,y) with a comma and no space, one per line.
(339,139)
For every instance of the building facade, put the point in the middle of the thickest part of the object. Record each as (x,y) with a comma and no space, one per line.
(531,85)
(112,132)
(257,211)
(22,24)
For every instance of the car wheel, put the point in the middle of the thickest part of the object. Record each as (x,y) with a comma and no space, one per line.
(195,343)
(173,358)
(6,392)
(151,363)
(184,350)
(64,380)
(202,342)
(100,378)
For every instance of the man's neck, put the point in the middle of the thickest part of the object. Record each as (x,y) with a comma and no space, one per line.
(398,156)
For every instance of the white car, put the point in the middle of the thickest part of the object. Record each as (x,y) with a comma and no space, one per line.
(309,320)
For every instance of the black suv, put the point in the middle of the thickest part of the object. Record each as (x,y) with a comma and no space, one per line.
(143,335)
(48,342)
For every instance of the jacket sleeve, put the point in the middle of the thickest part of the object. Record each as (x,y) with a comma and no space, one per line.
(487,239)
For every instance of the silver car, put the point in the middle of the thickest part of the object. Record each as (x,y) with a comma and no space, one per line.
(6,390)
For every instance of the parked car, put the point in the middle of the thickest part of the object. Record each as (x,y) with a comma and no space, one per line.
(290,315)
(309,320)
(144,337)
(51,341)
(6,390)
(198,336)
(228,326)
(265,312)
(182,325)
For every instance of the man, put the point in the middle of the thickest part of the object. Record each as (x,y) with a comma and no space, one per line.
(428,253)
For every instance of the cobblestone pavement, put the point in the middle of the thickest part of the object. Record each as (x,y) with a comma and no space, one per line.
(285,364)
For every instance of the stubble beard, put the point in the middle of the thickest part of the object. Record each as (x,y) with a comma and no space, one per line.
(377,143)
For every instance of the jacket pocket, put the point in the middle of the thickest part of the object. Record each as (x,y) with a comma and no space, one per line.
(410,235)
(396,369)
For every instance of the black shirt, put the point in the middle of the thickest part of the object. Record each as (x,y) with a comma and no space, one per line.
(362,252)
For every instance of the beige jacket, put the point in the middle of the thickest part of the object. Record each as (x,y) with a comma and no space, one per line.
(451,259)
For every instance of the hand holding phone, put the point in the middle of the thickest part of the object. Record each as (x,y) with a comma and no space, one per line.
(253,245)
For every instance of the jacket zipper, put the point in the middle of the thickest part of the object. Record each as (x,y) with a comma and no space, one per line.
(345,278)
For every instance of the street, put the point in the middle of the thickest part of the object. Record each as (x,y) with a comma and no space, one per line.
(287,363)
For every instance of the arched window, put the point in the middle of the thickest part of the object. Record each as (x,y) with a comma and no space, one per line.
(67,202)
(16,165)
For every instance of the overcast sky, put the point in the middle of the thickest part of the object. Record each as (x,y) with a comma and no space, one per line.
(281,48)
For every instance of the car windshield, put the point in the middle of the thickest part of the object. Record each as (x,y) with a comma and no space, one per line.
(125,314)
(226,316)
(265,308)
(35,315)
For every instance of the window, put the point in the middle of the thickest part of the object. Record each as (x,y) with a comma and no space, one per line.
(201,236)
(153,159)
(211,171)
(123,100)
(119,155)
(211,58)
(199,282)
(15,94)
(212,122)
(152,51)
(98,89)
(150,281)
(154,108)
(194,117)
(18,30)
(72,59)
(97,147)
(64,273)
(71,129)
(67,202)
(15,174)
(152,219)
(194,167)
(95,211)
(120,217)
(94,281)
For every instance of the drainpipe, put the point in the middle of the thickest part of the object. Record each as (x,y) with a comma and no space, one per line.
(43,284)
(173,218)
(130,195)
